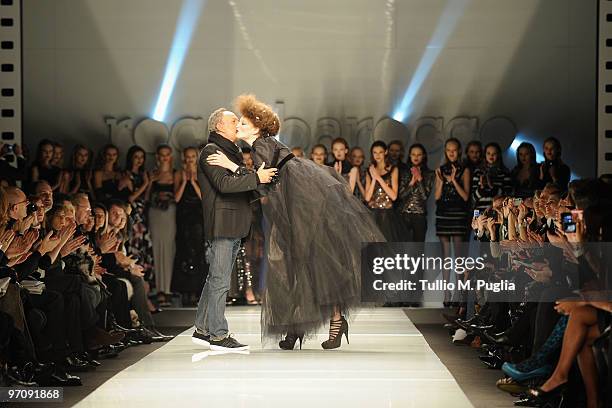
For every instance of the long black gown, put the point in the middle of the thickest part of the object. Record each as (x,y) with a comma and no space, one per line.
(190,268)
(314,228)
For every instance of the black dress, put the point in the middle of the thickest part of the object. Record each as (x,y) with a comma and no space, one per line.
(563,174)
(190,268)
(527,187)
(49,174)
(452,211)
(313,229)
(108,191)
(387,219)
(80,176)
(362,178)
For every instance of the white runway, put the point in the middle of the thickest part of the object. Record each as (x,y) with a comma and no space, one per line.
(387,364)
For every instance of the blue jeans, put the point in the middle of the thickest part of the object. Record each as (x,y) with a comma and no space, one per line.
(210,317)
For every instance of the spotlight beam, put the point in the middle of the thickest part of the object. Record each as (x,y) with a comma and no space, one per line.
(520,138)
(185,26)
(446,25)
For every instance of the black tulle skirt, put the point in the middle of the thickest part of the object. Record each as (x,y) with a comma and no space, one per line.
(390,224)
(313,232)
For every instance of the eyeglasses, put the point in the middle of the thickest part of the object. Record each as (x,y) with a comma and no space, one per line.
(26,201)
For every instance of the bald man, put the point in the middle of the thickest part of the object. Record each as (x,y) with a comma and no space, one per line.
(17,203)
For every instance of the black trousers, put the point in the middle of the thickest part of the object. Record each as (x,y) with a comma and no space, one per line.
(103,308)
(14,347)
(51,341)
(118,302)
(80,307)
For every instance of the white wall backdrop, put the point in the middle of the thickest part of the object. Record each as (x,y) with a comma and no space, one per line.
(532,61)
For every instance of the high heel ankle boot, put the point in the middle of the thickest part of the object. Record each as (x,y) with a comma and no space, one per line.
(336,329)
(288,343)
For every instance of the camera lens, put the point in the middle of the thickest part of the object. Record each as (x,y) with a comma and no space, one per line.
(32,208)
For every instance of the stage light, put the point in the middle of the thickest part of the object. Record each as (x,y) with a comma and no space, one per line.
(185,25)
(446,25)
(520,138)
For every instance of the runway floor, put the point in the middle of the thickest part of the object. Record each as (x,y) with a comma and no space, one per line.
(387,364)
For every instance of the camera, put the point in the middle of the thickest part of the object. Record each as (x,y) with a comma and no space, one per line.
(8,152)
(567,222)
(490,213)
(31,208)
(518,201)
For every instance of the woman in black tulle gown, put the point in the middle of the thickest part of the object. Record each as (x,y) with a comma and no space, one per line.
(313,233)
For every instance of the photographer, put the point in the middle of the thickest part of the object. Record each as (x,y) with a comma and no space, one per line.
(9,155)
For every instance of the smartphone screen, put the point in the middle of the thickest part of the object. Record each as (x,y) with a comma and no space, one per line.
(570,227)
(476,213)
(567,222)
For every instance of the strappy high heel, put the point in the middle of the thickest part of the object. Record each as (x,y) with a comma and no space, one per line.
(336,329)
(288,343)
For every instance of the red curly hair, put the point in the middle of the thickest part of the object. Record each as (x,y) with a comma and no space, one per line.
(261,115)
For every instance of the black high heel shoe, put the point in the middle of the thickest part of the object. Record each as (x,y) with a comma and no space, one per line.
(288,343)
(541,397)
(336,329)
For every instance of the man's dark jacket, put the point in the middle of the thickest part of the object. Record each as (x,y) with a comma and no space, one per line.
(225,195)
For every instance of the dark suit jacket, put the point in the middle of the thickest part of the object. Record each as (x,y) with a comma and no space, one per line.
(225,195)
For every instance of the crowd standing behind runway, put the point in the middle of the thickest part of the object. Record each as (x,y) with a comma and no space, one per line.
(91,248)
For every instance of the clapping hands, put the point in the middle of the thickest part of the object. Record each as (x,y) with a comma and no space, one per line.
(21,245)
(107,242)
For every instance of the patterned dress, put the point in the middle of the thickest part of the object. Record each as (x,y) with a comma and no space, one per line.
(382,207)
(138,243)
